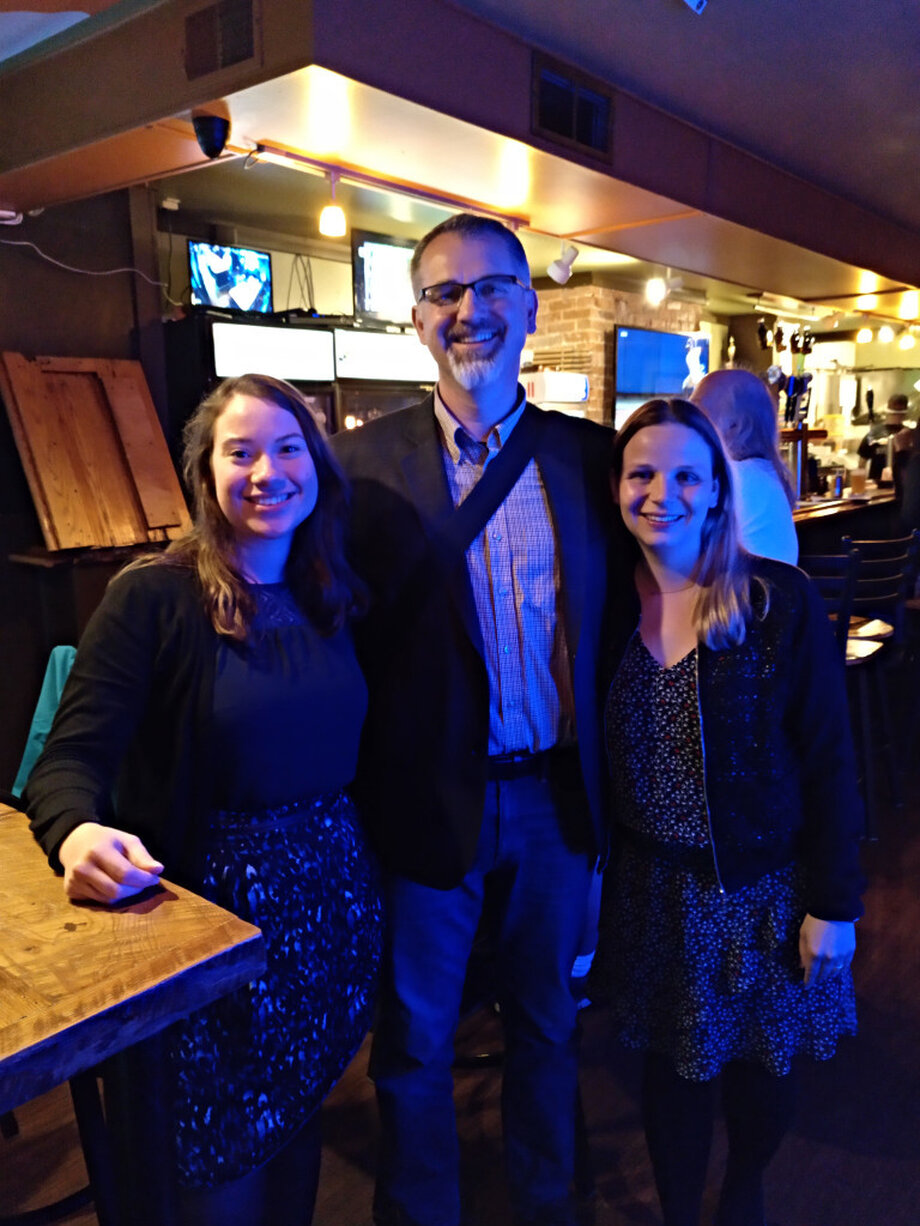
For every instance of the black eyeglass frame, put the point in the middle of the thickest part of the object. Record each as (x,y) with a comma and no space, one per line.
(504,278)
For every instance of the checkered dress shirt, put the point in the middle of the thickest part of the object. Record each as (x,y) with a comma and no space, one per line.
(514,570)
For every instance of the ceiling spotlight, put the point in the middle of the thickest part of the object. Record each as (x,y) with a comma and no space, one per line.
(863,336)
(906,340)
(886,334)
(656,290)
(560,270)
(332,223)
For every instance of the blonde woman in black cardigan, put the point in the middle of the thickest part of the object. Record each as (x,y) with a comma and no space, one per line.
(727,930)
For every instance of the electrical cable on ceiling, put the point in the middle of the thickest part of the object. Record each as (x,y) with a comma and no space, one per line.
(89,272)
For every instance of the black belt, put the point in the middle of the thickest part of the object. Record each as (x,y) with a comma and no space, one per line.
(523,765)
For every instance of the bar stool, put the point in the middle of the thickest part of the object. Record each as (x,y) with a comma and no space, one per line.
(834,575)
(885,575)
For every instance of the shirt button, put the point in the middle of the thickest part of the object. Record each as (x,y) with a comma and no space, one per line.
(505,591)
(506,651)
(496,536)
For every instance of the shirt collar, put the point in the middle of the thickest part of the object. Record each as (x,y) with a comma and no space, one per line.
(460,443)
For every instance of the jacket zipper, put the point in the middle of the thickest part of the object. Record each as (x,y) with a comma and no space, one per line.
(699,712)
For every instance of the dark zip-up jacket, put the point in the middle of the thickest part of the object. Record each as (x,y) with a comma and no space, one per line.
(780,772)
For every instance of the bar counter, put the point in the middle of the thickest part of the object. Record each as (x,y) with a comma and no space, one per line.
(821,522)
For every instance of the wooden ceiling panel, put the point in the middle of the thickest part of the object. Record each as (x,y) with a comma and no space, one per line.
(724,250)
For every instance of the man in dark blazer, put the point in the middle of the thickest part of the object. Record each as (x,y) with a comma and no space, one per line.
(482,771)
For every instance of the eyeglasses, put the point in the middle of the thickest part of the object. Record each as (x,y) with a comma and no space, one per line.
(495,288)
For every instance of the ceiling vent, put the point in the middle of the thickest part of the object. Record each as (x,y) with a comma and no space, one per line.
(571,109)
(218,36)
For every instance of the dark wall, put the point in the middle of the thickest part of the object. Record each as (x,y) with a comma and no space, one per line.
(46,310)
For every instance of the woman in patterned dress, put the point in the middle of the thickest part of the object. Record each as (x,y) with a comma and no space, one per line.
(728,920)
(209,727)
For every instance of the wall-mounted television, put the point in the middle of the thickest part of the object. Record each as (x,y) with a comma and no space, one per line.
(234,278)
(653,363)
(380,274)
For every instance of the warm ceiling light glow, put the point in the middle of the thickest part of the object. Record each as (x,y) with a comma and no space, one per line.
(514,175)
(867,302)
(656,290)
(325,112)
(907,340)
(886,334)
(863,336)
(909,307)
(332,221)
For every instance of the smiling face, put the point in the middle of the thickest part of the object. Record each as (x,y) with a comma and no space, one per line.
(265,480)
(476,345)
(666,490)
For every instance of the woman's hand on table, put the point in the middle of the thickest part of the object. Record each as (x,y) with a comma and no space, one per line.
(102,864)
(826,947)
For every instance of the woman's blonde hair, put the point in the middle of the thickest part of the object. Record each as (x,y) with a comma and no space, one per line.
(723,607)
(317,571)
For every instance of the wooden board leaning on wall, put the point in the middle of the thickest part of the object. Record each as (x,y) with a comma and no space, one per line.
(93,451)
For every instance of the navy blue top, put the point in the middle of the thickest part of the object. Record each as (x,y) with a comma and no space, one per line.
(288,706)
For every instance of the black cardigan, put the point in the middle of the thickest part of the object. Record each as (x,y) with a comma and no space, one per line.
(131,732)
(779,765)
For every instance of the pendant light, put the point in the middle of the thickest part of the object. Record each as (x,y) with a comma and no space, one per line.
(332,222)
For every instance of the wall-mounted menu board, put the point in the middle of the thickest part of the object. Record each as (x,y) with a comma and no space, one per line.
(93,451)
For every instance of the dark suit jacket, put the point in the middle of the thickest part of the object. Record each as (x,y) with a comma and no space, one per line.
(423,762)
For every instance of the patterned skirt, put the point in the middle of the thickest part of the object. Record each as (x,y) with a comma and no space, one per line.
(704,978)
(251,1068)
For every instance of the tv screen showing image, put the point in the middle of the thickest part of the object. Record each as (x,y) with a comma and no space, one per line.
(235,278)
(380,271)
(659,363)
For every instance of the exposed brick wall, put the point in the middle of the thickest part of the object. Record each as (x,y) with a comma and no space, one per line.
(576,331)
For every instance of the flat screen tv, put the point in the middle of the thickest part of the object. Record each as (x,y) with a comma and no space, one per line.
(380,274)
(234,278)
(659,363)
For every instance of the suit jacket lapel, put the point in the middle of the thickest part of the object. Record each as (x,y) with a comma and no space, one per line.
(423,468)
(560,463)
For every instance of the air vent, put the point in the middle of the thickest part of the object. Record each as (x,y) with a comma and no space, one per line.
(562,359)
(218,36)
(569,108)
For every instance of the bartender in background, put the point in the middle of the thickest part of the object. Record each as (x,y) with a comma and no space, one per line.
(874,447)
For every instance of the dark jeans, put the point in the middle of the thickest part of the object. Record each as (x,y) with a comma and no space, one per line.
(537,882)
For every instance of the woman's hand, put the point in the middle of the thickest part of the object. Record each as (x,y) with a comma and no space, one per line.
(102,864)
(825,947)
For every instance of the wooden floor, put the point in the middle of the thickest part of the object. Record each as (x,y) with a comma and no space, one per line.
(853,1158)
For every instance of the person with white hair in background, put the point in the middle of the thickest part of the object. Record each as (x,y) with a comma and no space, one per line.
(742,410)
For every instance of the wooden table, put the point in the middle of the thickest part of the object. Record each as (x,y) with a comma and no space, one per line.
(81,982)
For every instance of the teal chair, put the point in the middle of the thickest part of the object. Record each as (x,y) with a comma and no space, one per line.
(56,673)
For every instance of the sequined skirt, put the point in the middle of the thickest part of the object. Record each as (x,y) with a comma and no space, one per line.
(705,978)
(252,1068)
